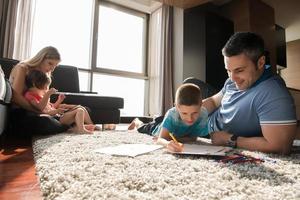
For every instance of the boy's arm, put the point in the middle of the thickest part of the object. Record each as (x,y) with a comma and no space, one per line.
(187,139)
(163,137)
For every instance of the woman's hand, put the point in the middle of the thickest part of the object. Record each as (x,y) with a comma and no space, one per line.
(175,146)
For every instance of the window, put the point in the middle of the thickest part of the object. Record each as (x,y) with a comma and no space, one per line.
(107,44)
(58,23)
(120,40)
(121,54)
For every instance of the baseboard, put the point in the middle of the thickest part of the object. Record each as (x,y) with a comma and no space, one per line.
(128,119)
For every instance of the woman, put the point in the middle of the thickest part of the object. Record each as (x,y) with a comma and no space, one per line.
(26,118)
(45,60)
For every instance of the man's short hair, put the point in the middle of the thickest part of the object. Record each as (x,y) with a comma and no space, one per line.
(251,44)
(188,94)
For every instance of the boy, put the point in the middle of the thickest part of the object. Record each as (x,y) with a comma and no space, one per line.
(186,121)
(38,95)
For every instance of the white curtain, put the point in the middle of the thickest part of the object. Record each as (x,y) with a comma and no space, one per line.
(8,10)
(160,61)
(155,68)
(23,32)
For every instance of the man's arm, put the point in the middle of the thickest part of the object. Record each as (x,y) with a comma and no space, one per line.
(276,139)
(212,102)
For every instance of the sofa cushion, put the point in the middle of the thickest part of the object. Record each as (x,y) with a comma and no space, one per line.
(66,79)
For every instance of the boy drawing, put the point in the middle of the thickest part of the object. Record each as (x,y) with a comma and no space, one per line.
(186,121)
(38,95)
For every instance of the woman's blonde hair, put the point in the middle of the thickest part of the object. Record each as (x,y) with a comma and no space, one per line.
(45,53)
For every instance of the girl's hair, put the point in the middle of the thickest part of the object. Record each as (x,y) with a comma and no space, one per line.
(45,53)
(188,94)
(38,79)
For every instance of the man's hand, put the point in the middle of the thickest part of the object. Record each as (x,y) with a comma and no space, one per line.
(220,138)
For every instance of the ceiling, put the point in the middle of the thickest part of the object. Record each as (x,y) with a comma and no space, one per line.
(287,12)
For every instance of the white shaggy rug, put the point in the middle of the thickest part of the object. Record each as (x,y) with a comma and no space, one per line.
(69,169)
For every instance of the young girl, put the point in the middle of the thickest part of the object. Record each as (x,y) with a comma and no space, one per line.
(38,95)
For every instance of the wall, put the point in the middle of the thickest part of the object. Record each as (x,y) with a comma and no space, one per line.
(181,69)
(296,96)
(178,46)
(247,15)
(254,16)
(291,74)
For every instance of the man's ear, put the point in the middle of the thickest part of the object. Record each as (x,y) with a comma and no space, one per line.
(261,62)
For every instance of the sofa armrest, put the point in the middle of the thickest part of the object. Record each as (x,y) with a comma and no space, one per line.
(88,92)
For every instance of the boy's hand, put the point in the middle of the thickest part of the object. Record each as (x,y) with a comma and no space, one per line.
(175,146)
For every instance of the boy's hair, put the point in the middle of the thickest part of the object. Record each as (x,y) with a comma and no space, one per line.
(188,94)
(251,44)
(38,79)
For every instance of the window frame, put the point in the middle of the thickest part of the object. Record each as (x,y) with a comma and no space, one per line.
(94,42)
(94,68)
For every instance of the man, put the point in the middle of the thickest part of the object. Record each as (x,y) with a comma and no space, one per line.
(254,109)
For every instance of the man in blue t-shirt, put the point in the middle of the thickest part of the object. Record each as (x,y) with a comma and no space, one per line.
(254,109)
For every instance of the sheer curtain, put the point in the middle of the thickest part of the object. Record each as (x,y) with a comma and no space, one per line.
(160,61)
(8,13)
(23,33)
(155,69)
(167,59)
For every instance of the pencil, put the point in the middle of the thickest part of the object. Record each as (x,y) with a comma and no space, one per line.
(173,138)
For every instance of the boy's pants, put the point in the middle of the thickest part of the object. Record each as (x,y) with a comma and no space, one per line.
(149,127)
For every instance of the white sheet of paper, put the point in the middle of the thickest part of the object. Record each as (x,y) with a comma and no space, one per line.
(131,150)
(196,149)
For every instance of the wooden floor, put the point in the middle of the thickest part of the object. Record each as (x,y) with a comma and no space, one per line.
(17,173)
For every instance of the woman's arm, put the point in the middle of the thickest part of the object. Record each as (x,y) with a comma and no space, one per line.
(18,85)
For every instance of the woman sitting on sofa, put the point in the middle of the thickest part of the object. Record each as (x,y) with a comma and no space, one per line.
(26,118)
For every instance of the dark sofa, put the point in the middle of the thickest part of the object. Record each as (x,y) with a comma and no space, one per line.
(103,109)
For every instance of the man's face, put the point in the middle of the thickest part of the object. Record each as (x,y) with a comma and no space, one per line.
(242,71)
(189,114)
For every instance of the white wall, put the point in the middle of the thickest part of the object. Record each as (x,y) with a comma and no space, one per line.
(178,46)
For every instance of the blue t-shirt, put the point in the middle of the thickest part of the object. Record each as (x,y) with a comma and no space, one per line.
(243,112)
(173,123)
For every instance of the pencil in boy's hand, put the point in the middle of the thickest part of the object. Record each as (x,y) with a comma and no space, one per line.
(178,146)
(173,138)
